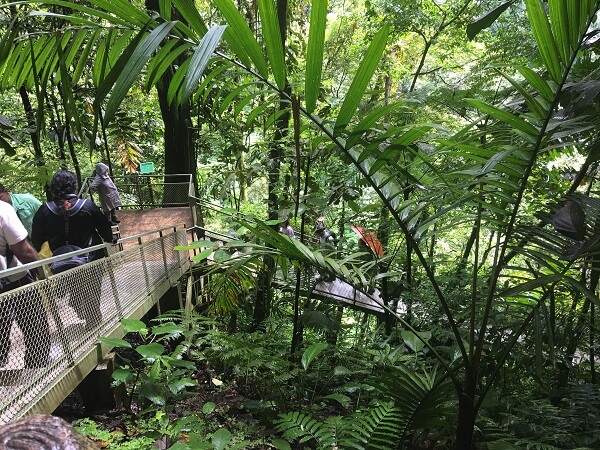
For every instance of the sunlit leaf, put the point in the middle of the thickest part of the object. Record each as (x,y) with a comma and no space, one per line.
(315,53)
(544,38)
(361,79)
(311,353)
(486,19)
(131,71)
(240,37)
(200,59)
(272,37)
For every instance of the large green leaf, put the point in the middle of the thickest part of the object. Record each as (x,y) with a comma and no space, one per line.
(415,340)
(163,60)
(165,8)
(361,80)
(370,120)
(120,12)
(83,61)
(6,41)
(150,351)
(314,53)
(125,10)
(559,19)
(537,82)
(311,353)
(133,69)
(486,20)
(272,38)
(113,43)
(177,81)
(545,39)
(199,60)
(221,438)
(68,97)
(534,105)
(189,12)
(222,107)
(504,116)
(8,149)
(240,37)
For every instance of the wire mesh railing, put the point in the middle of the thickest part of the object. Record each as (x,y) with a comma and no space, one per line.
(48,326)
(149,191)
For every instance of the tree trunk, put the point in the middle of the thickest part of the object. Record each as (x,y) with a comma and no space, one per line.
(180,156)
(467,412)
(264,292)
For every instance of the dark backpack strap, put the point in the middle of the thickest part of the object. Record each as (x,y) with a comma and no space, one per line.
(76,205)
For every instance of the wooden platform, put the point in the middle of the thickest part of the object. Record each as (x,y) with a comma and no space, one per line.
(136,221)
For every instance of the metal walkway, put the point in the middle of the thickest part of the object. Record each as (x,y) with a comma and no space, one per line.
(126,284)
(49,329)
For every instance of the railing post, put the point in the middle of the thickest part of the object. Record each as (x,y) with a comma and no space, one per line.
(50,302)
(150,190)
(113,284)
(164,253)
(144,265)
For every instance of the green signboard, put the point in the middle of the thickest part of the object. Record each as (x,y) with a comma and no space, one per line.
(146,168)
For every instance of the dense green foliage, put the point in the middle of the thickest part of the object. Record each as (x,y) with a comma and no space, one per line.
(466,138)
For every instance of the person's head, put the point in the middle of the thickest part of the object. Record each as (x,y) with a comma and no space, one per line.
(102,170)
(63,185)
(4,194)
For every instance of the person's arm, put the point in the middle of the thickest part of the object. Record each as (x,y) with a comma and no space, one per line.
(102,224)
(95,183)
(16,238)
(38,230)
(24,252)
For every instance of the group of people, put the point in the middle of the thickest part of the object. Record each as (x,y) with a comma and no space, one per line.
(25,225)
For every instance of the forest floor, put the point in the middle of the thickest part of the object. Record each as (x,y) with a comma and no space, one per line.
(231,412)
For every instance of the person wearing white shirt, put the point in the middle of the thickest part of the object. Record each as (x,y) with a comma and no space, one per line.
(27,311)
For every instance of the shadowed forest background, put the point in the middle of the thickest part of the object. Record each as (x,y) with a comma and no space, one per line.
(463,134)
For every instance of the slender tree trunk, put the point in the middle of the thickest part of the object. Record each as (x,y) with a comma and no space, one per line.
(408,270)
(264,291)
(297,335)
(467,413)
(34,133)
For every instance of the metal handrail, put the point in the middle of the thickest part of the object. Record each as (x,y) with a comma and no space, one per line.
(106,246)
(141,184)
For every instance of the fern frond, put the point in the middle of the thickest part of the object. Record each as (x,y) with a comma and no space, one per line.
(380,427)
(299,426)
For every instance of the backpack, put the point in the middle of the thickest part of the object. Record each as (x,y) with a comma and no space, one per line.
(75,260)
(69,263)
